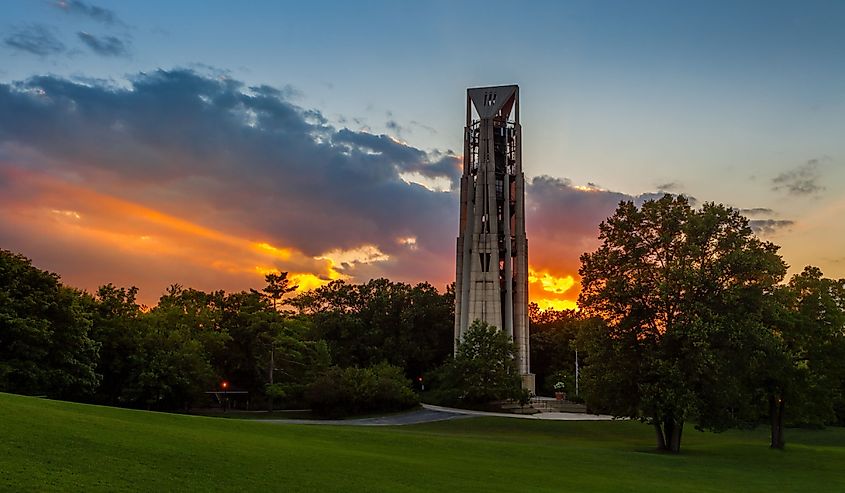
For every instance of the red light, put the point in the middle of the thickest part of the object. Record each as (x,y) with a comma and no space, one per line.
(224,384)
(419,379)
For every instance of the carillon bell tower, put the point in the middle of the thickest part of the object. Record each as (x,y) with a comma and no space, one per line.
(492,252)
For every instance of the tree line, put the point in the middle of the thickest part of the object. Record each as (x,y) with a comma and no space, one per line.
(685,317)
(107,348)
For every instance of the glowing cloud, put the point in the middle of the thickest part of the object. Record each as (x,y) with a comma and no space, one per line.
(365,254)
(550,283)
(156,241)
(410,242)
(281,253)
(68,214)
(436,184)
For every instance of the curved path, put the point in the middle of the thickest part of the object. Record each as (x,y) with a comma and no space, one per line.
(541,416)
(429,414)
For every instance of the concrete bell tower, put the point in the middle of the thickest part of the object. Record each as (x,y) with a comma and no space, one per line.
(492,252)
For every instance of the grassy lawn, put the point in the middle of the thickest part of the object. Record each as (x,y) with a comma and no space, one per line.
(62,446)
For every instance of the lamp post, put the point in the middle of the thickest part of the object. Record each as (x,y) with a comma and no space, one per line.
(225,386)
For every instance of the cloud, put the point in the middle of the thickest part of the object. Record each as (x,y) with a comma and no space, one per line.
(757,211)
(644,197)
(36,39)
(183,176)
(669,186)
(802,180)
(562,221)
(765,227)
(393,126)
(212,151)
(400,156)
(427,128)
(400,130)
(93,12)
(109,46)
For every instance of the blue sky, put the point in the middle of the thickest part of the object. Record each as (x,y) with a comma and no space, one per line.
(734,102)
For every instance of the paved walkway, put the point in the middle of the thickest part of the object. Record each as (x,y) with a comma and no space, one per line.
(429,414)
(416,416)
(542,416)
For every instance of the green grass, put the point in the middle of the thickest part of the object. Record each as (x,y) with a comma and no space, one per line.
(51,445)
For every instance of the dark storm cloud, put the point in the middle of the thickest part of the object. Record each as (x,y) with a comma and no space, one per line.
(803,180)
(91,11)
(381,145)
(373,148)
(35,39)
(769,226)
(247,158)
(109,46)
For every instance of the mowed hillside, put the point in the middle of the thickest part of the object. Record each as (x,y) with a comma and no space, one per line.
(51,445)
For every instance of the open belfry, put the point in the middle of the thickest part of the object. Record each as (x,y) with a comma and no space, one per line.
(492,252)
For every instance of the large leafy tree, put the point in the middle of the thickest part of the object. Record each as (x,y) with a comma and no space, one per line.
(45,347)
(805,368)
(119,327)
(682,293)
(483,370)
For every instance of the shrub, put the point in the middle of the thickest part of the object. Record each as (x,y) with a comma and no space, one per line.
(341,392)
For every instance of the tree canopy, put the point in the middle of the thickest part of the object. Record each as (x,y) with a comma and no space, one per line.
(682,293)
(483,370)
(45,343)
(109,349)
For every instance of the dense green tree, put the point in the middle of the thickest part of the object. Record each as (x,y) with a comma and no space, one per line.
(804,368)
(199,313)
(119,327)
(251,324)
(181,343)
(365,324)
(682,294)
(45,347)
(171,369)
(483,369)
(297,361)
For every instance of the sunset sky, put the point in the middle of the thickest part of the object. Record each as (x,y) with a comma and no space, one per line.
(208,142)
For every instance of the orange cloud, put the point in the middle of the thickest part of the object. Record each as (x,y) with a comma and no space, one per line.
(157,240)
(549,290)
(127,242)
(550,283)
